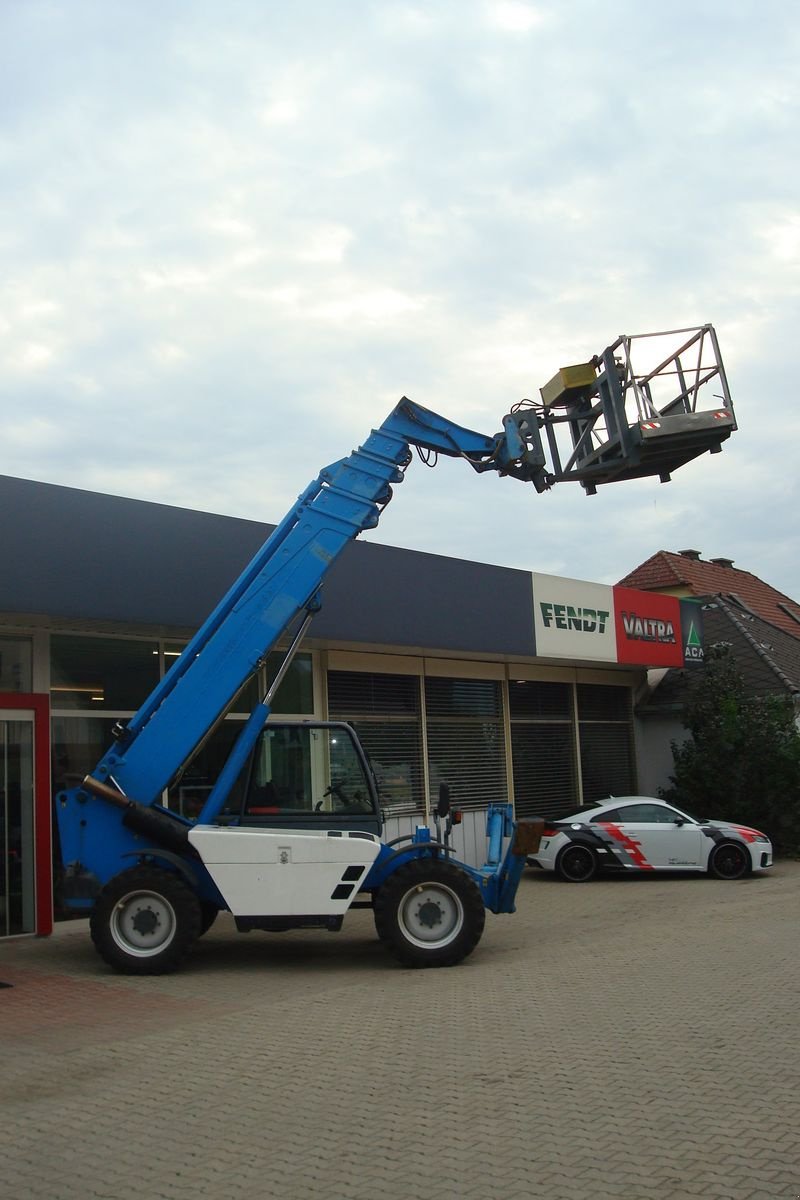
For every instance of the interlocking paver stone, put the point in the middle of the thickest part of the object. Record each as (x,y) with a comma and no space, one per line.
(632,1038)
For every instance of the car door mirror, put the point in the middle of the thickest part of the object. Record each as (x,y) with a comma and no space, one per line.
(679,821)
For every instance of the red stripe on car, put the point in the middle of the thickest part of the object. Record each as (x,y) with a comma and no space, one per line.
(749,835)
(633,847)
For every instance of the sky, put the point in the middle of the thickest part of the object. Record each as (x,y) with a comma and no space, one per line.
(233,235)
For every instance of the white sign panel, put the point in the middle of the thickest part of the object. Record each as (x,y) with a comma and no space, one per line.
(574,619)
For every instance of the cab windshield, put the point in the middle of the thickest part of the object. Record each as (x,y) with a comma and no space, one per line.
(301,770)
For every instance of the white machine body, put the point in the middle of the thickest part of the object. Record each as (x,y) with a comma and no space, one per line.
(285,872)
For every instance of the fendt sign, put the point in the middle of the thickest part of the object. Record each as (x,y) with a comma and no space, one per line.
(579,620)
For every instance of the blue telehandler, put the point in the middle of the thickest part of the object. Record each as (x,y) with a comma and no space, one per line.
(290,833)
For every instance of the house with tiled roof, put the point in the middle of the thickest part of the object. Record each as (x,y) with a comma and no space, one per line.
(759,625)
(684,573)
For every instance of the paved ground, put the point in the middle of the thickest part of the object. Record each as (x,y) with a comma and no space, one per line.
(632,1038)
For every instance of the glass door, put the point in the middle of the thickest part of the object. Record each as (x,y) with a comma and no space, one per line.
(26,847)
(17,850)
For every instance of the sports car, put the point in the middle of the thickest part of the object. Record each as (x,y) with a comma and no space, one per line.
(638,833)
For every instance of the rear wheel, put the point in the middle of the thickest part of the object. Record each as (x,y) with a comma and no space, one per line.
(729,860)
(576,864)
(429,913)
(145,921)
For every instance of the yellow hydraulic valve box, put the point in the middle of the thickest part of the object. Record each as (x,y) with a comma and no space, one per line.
(568,384)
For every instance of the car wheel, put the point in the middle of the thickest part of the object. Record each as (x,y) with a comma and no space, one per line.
(429,913)
(145,921)
(576,864)
(729,860)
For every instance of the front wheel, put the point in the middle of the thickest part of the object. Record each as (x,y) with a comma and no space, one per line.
(145,921)
(729,860)
(429,913)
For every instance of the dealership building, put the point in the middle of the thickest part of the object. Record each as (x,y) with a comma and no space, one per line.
(506,684)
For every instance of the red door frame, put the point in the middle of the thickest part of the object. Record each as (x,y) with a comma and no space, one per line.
(42,807)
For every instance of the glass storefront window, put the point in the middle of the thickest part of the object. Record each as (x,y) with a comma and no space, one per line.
(16,665)
(296,693)
(190,793)
(77,745)
(116,674)
(17,905)
(295,696)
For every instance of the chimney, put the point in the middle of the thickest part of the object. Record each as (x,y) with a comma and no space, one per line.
(722,562)
(694,555)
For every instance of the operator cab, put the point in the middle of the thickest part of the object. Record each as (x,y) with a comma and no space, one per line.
(307,775)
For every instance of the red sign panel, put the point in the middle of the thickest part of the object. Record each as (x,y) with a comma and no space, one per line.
(648,628)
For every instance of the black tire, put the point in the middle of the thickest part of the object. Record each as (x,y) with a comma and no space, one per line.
(208,915)
(576,863)
(145,921)
(729,860)
(429,913)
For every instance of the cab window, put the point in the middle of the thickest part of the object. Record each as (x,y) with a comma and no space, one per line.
(300,770)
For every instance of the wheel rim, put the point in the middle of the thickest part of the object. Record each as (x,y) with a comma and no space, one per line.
(430,914)
(143,923)
(577,863)
(730,861)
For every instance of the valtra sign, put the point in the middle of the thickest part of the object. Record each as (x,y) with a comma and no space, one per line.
(579,620)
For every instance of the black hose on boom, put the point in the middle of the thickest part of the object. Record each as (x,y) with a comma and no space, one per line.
(155,824)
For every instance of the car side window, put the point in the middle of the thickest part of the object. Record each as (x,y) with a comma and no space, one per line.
(651,814)
(674,815)
(611,814)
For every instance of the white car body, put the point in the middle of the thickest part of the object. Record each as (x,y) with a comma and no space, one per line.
(640,833)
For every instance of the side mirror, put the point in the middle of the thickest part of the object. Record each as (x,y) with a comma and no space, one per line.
(679,821)
(443,807)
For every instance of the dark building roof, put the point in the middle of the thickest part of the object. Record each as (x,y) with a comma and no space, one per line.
(82,556)
(686,573)
(768,658)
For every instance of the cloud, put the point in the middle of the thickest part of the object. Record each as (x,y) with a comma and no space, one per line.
(514,17)
(233,240)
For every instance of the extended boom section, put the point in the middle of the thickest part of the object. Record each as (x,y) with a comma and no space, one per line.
(279,585)
(290,833)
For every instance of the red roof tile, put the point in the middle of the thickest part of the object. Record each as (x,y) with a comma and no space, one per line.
(668,571)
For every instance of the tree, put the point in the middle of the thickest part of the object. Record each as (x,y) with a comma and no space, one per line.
(742,758)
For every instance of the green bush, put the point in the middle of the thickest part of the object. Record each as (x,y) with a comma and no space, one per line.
(742,758)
